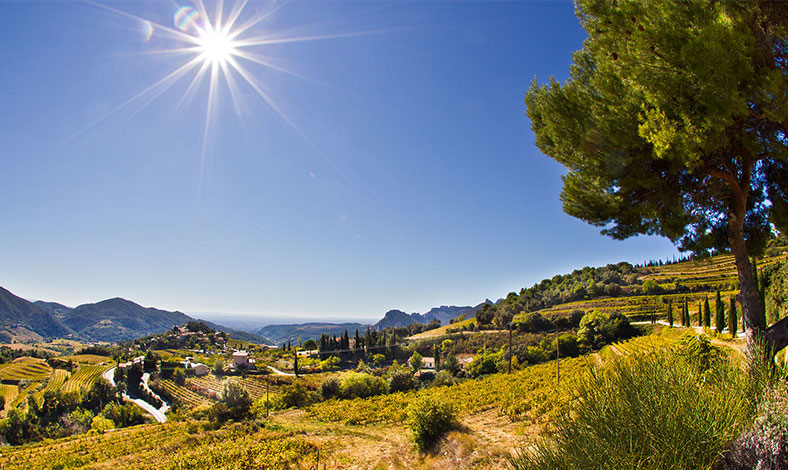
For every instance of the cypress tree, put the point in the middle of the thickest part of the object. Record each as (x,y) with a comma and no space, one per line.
(706,313)
(670,313)
(719,320)
(732,317)
(700,314)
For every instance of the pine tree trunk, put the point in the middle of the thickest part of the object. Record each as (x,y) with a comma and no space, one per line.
(748,295)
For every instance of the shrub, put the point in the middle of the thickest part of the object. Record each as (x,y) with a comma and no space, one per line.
(358,385)
(235,398)
(127,414)
(765,444)
(632,413)
(428,419)
(600,328)
(295,395)
(486,362)
(400,379)
(329,388)
(101,424)
(443,378)
(651,287)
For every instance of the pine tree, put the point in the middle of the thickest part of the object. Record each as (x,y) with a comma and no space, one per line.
(732,317)
(670,313)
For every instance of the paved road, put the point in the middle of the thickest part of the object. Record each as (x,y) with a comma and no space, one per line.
(279,372)
(158,414)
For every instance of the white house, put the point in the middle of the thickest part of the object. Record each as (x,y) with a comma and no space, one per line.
(428,362)
(241,360)
(200,369)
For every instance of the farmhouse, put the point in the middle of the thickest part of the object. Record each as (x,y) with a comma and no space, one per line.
(429,362)
(241,360)
(200,369)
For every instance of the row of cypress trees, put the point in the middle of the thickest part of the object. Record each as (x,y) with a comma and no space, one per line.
(704,314)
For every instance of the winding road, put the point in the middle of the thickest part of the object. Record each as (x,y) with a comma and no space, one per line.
(158,414)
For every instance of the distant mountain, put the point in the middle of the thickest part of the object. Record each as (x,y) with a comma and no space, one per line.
(120,319)
(279,334)
(237,334)
(26,321)
(399,319)
(58,310)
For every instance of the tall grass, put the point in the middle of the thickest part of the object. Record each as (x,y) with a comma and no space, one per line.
(649,411)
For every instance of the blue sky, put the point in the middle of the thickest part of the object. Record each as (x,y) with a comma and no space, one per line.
(404,175)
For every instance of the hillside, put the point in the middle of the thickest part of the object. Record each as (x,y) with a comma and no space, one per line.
(120,319)
(497,412)
(279,334)
(25,321)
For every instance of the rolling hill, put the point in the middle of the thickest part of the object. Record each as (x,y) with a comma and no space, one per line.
(26,321)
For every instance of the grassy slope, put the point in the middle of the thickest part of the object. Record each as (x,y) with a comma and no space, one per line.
(497,412)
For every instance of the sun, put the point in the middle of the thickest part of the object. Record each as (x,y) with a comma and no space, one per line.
(216,47)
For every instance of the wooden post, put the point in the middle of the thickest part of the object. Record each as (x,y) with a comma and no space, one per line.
(558,361)
(510,348)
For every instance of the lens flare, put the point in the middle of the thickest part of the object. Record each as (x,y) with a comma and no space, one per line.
(185,18)
(147,30)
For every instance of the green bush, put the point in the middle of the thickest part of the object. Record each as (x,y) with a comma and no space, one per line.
(486,362)
(428,419)
(600,328)
(400,379)
(295,395)
(652,411)
(443,378)
(358,385)
(330,388)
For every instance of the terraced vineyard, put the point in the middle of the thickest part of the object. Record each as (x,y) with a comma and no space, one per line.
(56,381)
(184,395)
(142,447)
(21,396)
(84,377)
(88,359)
(8,392)
(209,385)
(25,368)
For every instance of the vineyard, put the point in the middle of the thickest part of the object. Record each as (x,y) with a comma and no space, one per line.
(143,447)
(184,395)
(56,381)
(8,392)
(84,377)
(25,368)
(526,395)
(87,359)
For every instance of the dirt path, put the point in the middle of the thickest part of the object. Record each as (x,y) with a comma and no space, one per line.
(483,440)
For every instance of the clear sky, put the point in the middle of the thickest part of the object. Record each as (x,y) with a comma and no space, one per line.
(395,169)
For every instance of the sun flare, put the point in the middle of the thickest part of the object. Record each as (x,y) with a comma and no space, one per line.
(216,47)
